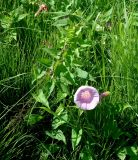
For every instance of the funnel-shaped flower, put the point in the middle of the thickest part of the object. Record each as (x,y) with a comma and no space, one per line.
(41,8)
(86,97)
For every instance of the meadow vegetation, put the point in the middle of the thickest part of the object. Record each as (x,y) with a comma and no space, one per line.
(45,58)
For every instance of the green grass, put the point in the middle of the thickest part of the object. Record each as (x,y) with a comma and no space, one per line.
(44,60)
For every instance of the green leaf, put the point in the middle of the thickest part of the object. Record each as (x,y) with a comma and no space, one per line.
(122,154)
(80,112)
(65,78)
(60,68)
(91,78)
(44,155)
(51,87)
(11,36)
(134,149)
(85,153)
(45,61)
(22,16)
(33,118)
(60,15)
(41,98)
(18,14)
(85,45)
(53,148)
(64,87)
(132,152)
(52,52)
(60,120)
(47,150)
(6,22)
(77,53)
(37,77)
(61,22)
(47,110)
(60,96)
(79,31)
(107,15)
(76,138)
(60,109)
(126,106)
(99,28)
(69,77)
(56,134)
(81,73)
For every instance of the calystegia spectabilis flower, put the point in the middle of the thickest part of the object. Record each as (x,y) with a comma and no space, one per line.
(41,8)
(87,97)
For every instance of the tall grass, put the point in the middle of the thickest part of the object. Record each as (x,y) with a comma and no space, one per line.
(44,59)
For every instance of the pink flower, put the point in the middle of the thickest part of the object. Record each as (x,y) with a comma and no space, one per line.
(105,94)
(87,97)
(41,8)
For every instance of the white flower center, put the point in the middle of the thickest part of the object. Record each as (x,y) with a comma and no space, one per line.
(85,95)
